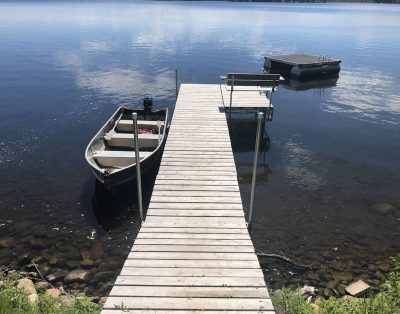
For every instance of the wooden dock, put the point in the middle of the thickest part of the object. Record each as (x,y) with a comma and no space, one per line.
(193,253)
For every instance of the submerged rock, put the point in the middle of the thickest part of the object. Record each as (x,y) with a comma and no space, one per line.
(103,275)
(331,284)
(384,208)
(7,242)
(86,263)
(96,251)
(36,259)
(85,254)
(72,264)
(343,276)
(36,243)
(57,275)
(77,275)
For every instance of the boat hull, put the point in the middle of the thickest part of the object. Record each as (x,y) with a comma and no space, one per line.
(104,170)
(114,180)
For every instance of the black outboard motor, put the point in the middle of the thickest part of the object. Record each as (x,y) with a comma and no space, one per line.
(147,103)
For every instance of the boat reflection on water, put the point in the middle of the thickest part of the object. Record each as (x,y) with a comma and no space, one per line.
(116,208)
(317,84)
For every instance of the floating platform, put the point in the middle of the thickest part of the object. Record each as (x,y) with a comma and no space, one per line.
(302,66)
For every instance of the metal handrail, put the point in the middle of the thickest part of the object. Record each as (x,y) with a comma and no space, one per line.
(138,174)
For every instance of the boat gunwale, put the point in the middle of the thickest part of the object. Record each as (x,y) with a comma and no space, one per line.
(99,134)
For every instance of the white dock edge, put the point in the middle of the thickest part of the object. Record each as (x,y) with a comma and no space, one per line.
(194,254)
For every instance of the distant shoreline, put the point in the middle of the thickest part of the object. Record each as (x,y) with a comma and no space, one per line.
(299,1)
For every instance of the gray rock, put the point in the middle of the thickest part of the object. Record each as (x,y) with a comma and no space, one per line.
(58,274)
(331,284)
(105,275)
(26,285)
(343,276)
(42,285)
(86,263)
(77,275)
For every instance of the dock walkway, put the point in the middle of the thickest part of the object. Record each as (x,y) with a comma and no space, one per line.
(193,253)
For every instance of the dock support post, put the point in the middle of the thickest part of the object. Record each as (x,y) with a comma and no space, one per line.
(138,175)
(176,84)
(230,101)
(253,180)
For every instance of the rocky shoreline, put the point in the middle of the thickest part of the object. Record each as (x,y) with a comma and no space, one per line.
(89,269)
(329,280)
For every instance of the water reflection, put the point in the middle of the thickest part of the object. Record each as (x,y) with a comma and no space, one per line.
(302,167)
(243,136)
(116,208)
(118,83)
(368,95)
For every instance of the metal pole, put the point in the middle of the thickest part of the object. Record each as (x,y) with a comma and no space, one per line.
(138,176)
(253,180)
(176,84)
(230,102)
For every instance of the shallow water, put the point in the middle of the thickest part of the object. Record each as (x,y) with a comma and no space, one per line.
(327,192)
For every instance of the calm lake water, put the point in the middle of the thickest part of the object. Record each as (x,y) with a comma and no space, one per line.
(328,188)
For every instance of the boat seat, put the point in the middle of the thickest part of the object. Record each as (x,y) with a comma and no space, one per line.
(127,125)
(115,139)
(117,159)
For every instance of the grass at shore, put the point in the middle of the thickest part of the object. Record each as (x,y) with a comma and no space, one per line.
(14,300)
(387,301)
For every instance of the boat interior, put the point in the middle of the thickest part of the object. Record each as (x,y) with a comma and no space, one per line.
(113,147)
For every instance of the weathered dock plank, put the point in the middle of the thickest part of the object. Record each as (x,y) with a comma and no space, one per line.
(193,253)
